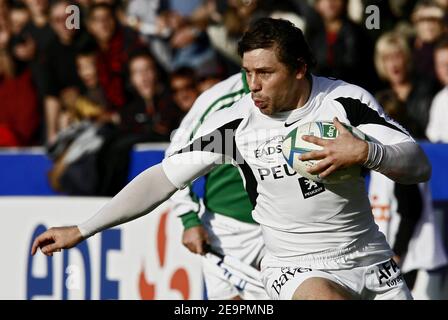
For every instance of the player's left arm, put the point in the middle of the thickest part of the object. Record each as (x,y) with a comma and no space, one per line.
(391,150)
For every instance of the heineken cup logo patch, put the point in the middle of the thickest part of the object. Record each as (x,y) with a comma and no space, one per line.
(329,131)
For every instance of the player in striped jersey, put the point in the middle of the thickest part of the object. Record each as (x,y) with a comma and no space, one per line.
(226,224)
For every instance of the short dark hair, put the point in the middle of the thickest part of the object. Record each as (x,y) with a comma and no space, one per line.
(99,6)
(17,5)
(89,48)
(291,47)
(140,52)
(184,72)
(52,4)
(143,52)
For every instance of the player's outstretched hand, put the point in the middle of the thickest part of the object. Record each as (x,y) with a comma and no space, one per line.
(55,239)
(195,239)
(344,151)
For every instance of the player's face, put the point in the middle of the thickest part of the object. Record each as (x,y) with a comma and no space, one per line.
(273,86)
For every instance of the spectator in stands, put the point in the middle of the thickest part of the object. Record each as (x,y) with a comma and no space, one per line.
(407,100)
(191,46)
(118,7)
(88,101)
(19,16)
(437,130)
(40,31)
(39,20)
(19,116)
(206,80)
(342,49)
(60,66)
(114,41)
(443,4)
(145,18)
(151,113)
(89,124)
(22,45)
(184,87)
(150,117)
(427,19)
(225,22)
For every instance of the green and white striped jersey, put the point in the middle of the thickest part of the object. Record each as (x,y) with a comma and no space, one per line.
(224,189)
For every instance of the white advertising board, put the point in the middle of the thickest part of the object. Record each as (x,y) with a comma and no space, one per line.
(142,259)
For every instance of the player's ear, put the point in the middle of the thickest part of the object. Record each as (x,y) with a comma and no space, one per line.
(301,69)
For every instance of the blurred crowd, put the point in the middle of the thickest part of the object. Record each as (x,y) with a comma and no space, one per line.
(89,79)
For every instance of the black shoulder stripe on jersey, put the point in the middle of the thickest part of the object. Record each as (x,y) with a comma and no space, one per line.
(360,113)
(251,182)
(221,140)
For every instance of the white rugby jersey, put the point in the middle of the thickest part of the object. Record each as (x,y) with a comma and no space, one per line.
(298,216)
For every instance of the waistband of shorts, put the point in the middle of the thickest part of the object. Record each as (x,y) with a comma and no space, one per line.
(330,254)
(333,254)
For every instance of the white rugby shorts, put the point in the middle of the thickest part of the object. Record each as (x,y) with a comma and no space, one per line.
(365,269)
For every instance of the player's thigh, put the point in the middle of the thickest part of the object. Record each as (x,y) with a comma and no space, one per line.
(319,288)
(283,283)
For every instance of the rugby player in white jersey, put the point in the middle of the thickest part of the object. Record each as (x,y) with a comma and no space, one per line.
(321,243)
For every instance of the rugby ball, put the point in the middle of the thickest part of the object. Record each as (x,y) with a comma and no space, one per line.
(293,146)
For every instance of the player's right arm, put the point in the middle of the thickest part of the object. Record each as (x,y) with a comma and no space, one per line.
(151,187)
(185,204)
(143,194)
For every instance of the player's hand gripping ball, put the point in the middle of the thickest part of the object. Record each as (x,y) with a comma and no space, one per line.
(293,145)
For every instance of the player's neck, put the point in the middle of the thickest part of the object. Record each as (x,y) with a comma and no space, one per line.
(304,91)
